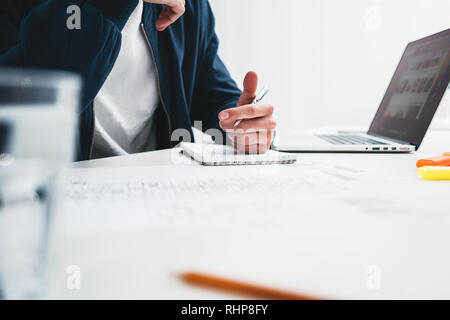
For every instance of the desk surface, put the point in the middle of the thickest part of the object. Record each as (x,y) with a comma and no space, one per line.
(432,145)
(387,255)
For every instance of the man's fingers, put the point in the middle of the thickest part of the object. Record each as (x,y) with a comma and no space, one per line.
(255,143)
(167,17)
(249,111)
(251,142)
(253,149)
(251,125)
(173,10)
(255,138)
(250,87)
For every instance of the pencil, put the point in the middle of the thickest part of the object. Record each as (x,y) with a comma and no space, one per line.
(237,287)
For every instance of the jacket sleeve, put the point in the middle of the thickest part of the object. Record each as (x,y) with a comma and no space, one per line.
(38,37)
(215,90)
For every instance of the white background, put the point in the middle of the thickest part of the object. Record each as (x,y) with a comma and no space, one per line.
(326,61)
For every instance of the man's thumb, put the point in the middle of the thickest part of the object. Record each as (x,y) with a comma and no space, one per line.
(250,87)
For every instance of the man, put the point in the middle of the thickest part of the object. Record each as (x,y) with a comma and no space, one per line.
(149,68)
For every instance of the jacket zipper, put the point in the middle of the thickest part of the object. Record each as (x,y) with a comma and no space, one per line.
(91,147)
(157,76)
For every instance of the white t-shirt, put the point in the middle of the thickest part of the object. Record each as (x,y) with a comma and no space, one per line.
(125,105)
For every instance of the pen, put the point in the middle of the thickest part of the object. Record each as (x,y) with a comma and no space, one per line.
(257,99)
(212,282)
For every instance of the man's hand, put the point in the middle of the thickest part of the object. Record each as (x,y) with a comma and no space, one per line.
(254,134)
(173,9)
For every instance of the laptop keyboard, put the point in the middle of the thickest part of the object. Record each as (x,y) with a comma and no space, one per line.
(349,139)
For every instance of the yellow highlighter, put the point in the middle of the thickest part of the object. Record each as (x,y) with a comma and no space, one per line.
(434,173)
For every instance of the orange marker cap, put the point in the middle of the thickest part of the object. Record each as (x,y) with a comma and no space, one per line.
(441,161)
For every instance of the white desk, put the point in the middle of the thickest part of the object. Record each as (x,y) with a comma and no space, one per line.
(407,252)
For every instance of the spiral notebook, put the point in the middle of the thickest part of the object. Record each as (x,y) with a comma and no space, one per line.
(220,155)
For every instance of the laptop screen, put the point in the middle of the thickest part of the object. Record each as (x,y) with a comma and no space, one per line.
(415,91)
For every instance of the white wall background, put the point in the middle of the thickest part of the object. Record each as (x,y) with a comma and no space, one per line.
(326,61)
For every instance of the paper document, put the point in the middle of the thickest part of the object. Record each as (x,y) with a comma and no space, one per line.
(141,197)
(220,155)
(118,198)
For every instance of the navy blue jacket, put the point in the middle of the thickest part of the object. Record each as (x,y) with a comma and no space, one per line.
(194,83)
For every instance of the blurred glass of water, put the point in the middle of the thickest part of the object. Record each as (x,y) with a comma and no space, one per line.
(38,123)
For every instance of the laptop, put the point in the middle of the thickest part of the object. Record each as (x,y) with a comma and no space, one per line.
(405,113)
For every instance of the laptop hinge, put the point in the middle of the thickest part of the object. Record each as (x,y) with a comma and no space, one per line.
(391,139)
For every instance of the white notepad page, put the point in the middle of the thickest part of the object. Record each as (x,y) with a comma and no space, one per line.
(220,155)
